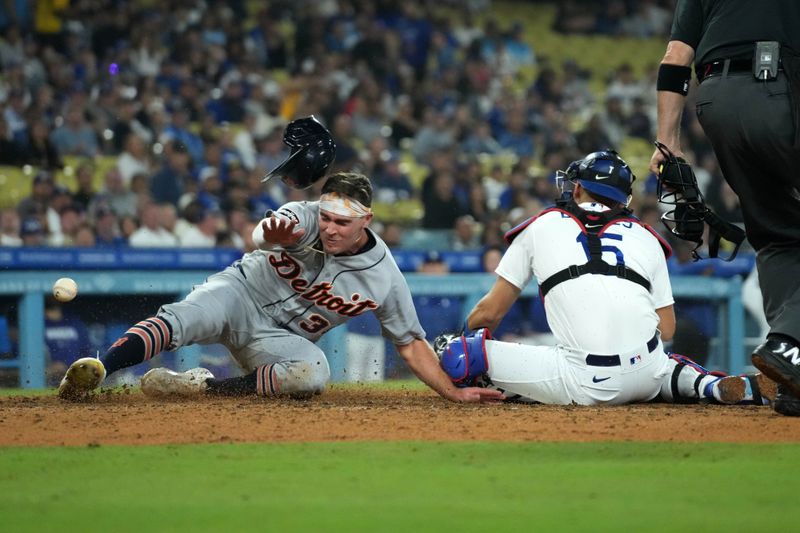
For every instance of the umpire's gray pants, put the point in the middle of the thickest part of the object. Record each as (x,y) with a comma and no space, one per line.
(221,310)
(750,125)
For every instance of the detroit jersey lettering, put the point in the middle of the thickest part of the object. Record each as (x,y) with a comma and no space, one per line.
(309,292)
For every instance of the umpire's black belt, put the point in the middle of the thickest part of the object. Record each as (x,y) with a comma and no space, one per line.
(717,68)
(613,360)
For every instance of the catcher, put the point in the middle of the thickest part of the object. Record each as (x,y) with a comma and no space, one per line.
(318,266)
(603,278)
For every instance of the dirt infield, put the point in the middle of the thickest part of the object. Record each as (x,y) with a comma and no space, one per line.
(368,414)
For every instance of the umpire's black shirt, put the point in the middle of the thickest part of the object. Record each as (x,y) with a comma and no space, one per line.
(727,29)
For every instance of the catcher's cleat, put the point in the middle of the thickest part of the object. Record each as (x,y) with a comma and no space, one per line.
(762,389)
(729,390)
(83,376)
(161,382)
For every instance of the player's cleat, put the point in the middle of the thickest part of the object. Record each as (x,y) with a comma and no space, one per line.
(780,361)
(164,382)
(785,403)
(729,390)
(761,389)
(82,377)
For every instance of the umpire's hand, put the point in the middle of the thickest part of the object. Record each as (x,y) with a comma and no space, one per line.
(658,159)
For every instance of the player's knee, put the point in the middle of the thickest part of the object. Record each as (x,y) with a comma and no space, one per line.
(306,377)
(464,358)
(320,374)
(190,323)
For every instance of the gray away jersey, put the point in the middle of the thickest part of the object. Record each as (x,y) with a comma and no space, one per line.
(308,292)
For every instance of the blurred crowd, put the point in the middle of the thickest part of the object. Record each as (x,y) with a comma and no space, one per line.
(635,18)
(167,115)
(188,99)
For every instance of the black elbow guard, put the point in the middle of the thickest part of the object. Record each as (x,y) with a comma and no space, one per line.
(674,78)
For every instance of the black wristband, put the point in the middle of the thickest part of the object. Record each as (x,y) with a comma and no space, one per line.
(674,78)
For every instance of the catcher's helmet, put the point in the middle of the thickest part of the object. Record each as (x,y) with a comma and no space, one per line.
(313,151)
(603,173)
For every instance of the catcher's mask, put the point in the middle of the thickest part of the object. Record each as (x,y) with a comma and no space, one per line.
(602,173)
(677,186)
(313,151)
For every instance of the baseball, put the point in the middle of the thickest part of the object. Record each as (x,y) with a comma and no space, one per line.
(65,289)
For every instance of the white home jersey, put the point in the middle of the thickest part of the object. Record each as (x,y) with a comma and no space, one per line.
(595,313)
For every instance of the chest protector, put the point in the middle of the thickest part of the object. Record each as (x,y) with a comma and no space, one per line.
(592,224)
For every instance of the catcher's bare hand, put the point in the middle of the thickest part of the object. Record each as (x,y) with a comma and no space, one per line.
(478,394)
(281,230)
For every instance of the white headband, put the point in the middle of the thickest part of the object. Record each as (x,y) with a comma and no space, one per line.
(338,204)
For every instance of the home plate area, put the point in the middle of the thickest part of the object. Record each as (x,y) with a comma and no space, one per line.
(352,413)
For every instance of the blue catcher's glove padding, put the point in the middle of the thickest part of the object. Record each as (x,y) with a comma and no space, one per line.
(464,358)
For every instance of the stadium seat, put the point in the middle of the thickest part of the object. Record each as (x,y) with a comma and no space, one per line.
(403,211)
(416,172)
(597,53)
(16,184)
(100,166)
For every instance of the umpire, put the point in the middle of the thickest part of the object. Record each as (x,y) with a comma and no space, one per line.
(748,103)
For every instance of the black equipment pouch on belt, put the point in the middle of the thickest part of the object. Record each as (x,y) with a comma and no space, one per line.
(766,60)
(677,185)
(791,66)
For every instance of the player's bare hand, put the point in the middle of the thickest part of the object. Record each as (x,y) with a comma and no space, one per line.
(281,230)
(479,394)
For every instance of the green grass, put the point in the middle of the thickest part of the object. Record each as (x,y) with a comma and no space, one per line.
(391,384)
(402,486)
